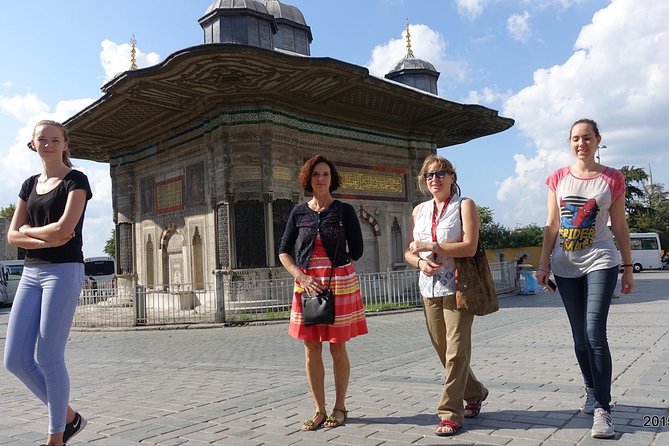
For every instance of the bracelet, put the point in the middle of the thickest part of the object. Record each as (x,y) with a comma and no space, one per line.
(627,265)
(418,263)
(544,270)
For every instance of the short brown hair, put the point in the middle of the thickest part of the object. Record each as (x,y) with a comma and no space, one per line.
(444,164)
(308,169)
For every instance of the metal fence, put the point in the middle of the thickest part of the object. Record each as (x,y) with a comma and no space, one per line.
(241,297)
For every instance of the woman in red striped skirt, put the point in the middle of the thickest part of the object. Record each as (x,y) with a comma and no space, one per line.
(322,234)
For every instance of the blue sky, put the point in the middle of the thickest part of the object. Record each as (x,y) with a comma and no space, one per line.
(544,63)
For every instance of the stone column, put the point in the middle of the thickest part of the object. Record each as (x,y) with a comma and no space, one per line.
(123,193)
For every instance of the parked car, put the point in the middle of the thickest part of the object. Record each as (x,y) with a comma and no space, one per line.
(11,273)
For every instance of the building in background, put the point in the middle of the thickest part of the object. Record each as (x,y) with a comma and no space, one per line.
(205,147)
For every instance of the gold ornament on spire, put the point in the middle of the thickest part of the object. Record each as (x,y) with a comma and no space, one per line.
(133,53)
(409,50)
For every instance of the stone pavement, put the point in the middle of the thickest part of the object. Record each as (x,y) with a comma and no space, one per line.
(246,385)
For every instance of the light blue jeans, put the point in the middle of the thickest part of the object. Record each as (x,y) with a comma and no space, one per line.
(39,325)
(587,300)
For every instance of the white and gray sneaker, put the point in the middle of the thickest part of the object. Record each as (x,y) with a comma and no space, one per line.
(589,405)
(602,424)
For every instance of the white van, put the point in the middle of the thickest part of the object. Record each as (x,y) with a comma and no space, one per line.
(645,251)
(12,271)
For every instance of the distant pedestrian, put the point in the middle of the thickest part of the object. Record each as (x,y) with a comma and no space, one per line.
(519,268)
(324,233)
(48,223)
(579,249)
(445,227)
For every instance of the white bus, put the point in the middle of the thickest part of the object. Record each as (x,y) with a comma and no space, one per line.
(100,268)
(645,251)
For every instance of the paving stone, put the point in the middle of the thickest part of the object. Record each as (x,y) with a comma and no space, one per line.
(246,386)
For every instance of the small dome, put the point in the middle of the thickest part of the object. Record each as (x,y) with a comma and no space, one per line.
(411,63)
(236,4)
(282,11)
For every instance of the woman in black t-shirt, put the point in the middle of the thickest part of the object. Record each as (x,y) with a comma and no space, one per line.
(48,223)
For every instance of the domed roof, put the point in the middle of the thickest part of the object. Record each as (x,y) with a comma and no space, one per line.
(236,4)
(282,11)
(411,63)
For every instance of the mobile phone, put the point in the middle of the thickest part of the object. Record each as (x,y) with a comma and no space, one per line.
(550,285)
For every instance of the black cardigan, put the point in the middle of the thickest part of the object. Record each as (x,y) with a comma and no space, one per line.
(304,224)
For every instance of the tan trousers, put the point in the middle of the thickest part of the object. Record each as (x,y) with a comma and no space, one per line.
(451,334)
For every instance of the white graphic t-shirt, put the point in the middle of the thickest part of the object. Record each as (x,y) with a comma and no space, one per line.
(585,242)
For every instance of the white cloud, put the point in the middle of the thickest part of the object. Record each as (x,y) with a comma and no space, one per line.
(426,44)
(115,58)
(518,26)
(617,75)
(7,84)
(23,107)
(486,96)
(544,4)
(470,8)
(99,222)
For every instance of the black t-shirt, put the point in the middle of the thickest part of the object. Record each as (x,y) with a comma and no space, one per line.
(47,208)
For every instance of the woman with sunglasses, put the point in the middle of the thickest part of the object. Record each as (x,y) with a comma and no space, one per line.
(445,227)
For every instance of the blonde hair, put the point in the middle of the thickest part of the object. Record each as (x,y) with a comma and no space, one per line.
(66,137)
(444,164)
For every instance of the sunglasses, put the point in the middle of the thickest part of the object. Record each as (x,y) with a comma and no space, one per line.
(430,175)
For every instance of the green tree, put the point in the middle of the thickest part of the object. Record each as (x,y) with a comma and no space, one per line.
(492,235)
(646,204)
(635,197)
(8,212)
(110,246)
(530,235)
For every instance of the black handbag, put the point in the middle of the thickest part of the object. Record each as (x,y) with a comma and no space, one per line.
(321,308)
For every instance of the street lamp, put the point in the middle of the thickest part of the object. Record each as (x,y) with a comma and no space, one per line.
(600,147)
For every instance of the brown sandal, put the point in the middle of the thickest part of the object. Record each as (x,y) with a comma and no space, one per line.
(333,421)
(312,423)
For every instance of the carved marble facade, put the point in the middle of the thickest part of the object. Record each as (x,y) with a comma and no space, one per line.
(218,196)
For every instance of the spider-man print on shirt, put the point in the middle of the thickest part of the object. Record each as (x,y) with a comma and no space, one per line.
(577,222)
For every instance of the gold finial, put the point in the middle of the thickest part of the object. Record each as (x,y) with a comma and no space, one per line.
(133,53)
(409,51)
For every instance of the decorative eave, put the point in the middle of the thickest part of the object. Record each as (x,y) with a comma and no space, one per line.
(140,106)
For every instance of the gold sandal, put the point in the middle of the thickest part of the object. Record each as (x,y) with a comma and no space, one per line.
(312,425)
(333,421)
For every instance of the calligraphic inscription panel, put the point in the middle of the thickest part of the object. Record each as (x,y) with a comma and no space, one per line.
(373,183)
(169,195)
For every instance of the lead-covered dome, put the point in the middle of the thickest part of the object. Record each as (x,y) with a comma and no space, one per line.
(293,33)
(283,11)
(236,4)
(245,22)
(414,72)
